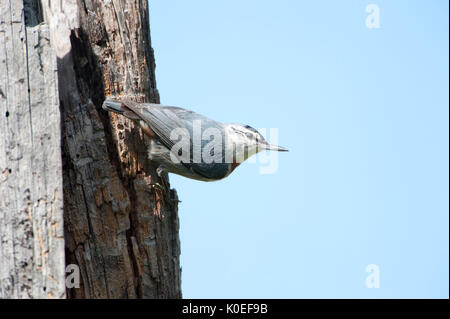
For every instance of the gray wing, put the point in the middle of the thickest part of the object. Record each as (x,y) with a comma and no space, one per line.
(164,119)
(159,120)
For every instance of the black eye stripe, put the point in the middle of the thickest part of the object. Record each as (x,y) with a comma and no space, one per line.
(253,134)
(250,128)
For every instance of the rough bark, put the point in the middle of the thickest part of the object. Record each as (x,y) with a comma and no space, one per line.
(119,229)
(31,207)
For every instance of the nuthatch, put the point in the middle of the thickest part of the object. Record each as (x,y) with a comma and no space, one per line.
(181,140)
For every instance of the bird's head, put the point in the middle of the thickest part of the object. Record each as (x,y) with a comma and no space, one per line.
(249,142)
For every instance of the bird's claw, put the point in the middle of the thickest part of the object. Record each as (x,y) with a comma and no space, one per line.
(164,176)
(164,187)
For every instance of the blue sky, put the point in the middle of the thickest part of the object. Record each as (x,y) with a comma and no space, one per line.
(364,113)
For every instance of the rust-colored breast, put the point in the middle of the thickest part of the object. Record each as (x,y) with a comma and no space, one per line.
(233,166)
(148,131)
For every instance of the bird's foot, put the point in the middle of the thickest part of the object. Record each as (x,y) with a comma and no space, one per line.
(164,187)
(163,176)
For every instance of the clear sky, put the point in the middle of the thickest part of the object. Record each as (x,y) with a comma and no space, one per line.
(365,115)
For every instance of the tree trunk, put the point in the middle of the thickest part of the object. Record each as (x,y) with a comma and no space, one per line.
(31,206)
(118,228)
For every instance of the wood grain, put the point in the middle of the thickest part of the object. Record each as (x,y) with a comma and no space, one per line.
(76,185)
(31,206)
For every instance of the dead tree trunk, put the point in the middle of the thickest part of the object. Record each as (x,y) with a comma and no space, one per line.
(31,206)
(118,229)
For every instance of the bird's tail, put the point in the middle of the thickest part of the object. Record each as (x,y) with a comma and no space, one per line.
(121,107)
(113,106)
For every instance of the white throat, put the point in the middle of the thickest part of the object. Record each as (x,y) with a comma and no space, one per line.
(238,146)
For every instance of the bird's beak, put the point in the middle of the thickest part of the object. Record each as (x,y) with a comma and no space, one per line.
(277,148)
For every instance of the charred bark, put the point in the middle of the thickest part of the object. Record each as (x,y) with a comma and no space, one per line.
(118,228)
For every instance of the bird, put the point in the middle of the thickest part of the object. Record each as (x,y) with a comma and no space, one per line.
(189,144)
